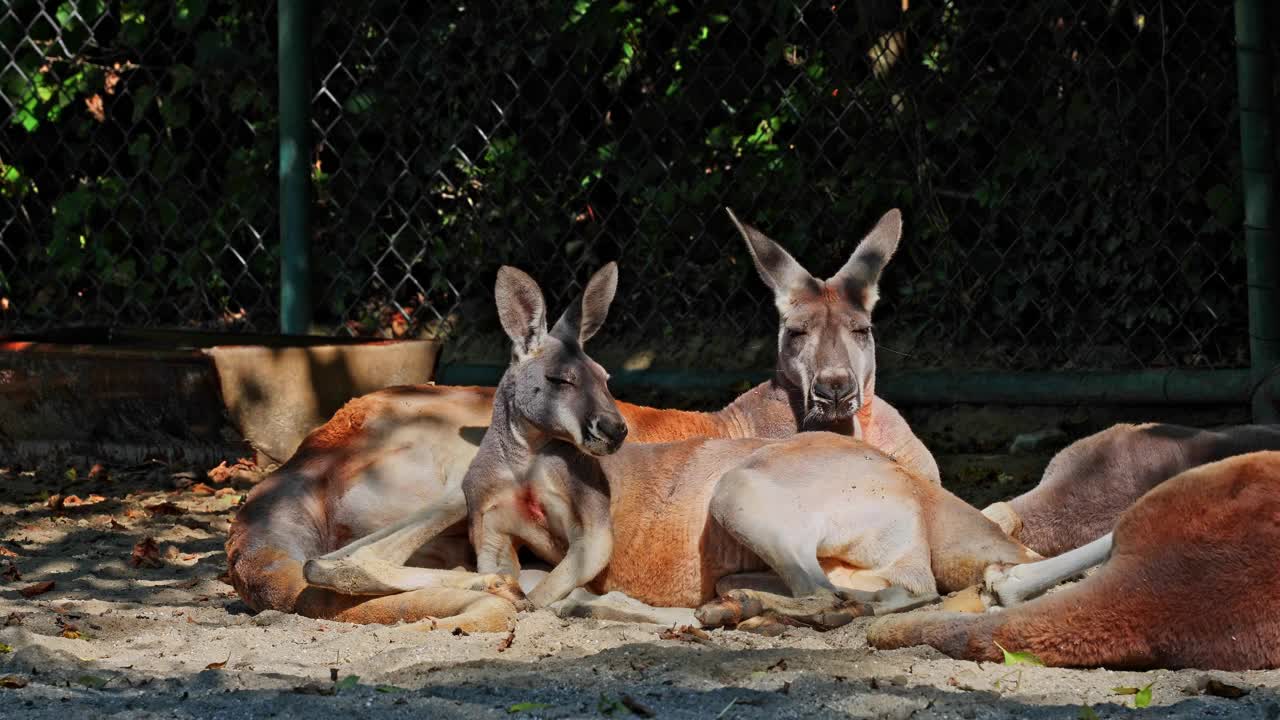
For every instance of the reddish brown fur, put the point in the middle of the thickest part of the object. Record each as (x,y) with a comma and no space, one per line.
(1192,582)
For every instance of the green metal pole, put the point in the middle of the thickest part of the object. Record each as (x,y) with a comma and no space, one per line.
(1261,248)
(295,116)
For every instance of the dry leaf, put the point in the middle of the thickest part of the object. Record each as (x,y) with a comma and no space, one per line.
(13,681)
(218,665)
(244,469)
(636,706)
(72,501)
(1223,690)
(117,525)
(71,633)
(39,588)
(97,472)
(95,107)
(201,489)
(146,554)
(6,552)
(507,641)
(164,508)
(55,501)
(135,513)
(688,633)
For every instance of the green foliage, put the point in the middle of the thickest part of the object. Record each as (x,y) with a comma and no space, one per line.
(1069,175)
(1020,658)
(1141,696)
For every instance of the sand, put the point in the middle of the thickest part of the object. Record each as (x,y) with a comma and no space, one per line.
(169,639)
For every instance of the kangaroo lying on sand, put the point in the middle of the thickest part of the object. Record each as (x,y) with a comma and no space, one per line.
(1091,482)
(1192,582)
(355,483)
(670,521)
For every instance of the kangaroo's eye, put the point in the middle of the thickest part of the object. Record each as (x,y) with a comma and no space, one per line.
(797,332)
(862,330)
(558,381)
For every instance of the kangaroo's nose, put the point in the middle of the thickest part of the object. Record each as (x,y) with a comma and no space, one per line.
(834,387)
(612,429)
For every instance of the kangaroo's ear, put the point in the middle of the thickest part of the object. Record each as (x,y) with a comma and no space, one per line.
(860,277)
(777,268)
(584,317)
(521,309)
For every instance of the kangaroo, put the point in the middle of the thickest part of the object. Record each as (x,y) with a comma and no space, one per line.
(1090,482)
(1191,583)
(665,523)
(351,490)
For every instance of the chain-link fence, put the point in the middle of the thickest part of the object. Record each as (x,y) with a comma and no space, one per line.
(1069,171)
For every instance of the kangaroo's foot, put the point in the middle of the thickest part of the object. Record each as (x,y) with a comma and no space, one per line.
(619,606)
(1011,585)
(823,610)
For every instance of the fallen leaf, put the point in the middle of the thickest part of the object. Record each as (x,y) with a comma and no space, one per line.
(55,501)
(244,469)
(5,648)
(636,706)
(117,525)
(97,472)
(218,665)
(1223,690)
(201,489)
(39,588)
(92,681)
(164,508)
(222,492)
(1141,696)
(346,683)
(507,642)
(687,633)
(71,633)
(10,572)
(1019,658)
(135,513)
(94,499)
(6,552)
(146,554)
(13,682)
(526,707)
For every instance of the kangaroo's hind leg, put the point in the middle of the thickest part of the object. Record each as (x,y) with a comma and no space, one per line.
(792,516)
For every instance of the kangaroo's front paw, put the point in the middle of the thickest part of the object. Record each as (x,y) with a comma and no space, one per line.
(508,588)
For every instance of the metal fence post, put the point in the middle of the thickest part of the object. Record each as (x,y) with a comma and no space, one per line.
(295,116)
(1258,164)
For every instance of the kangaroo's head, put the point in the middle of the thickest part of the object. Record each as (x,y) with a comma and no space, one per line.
(825,347)
(553,389)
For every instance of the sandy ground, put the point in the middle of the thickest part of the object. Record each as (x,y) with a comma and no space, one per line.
(168,639)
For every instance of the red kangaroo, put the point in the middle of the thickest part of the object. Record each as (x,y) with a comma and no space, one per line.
(365,492)
(1192,582)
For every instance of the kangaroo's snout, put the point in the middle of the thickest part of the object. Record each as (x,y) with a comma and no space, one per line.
(836,392)
(605,434)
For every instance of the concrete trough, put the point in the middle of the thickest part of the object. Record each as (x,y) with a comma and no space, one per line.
(128,396)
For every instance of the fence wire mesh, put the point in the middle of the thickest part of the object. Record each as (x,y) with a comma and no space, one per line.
(1068,170)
